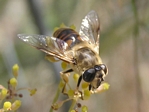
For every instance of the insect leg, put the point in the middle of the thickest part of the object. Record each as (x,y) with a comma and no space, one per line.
(79,81)
(90,87)
(78,84)
(68,71)
(64,76)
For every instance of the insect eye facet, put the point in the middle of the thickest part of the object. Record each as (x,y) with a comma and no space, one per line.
(89,75)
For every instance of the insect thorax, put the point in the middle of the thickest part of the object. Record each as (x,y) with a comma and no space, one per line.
(86,58)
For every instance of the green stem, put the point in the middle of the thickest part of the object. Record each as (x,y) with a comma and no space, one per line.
(55,98)
(22,89)
(72,105)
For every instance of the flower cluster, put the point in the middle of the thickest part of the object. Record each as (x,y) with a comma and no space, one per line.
(9,96)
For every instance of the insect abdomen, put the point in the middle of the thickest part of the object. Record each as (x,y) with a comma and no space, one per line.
(68,35)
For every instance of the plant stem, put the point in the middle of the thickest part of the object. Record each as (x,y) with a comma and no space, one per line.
(55,98)
(72,105)
(136,59)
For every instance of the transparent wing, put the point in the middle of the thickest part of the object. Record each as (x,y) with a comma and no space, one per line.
(50,45)
(90,28)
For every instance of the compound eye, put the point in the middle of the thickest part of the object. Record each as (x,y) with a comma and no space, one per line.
(104,68)
(89,75)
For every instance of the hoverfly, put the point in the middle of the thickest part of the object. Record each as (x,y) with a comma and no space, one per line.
(80,50)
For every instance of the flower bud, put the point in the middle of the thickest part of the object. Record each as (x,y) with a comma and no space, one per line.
(3,94)
(85,85)
(61,84)
(64,65)
(73,110)
(103,87)
(87,94)
(56,106)
(13,82)
(73,27)
(56,28)
(7,106)
(15,70)
(71,93)
(84,109)
(50,58)
(76,77)
(62,25)
(16,105)
(32,91)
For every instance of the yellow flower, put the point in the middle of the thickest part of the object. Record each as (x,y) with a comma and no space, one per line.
(61,84)
(61,26)
(85,85)
(15,70)
(16,105)
(76,77)
(84,109)
(87,94)
(56,28)
(71,93)
(73,27)
(13,82)
(3,93)
(56,106)
(103,87)
(7,106)
(64,65)
(51,58)
(72,111)
(32,91)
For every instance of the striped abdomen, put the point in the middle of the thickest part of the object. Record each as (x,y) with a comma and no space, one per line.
(68,35)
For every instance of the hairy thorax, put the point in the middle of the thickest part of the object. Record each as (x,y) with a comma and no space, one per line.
(86,58)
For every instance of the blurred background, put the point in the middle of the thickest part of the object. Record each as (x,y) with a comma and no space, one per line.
(124,44)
